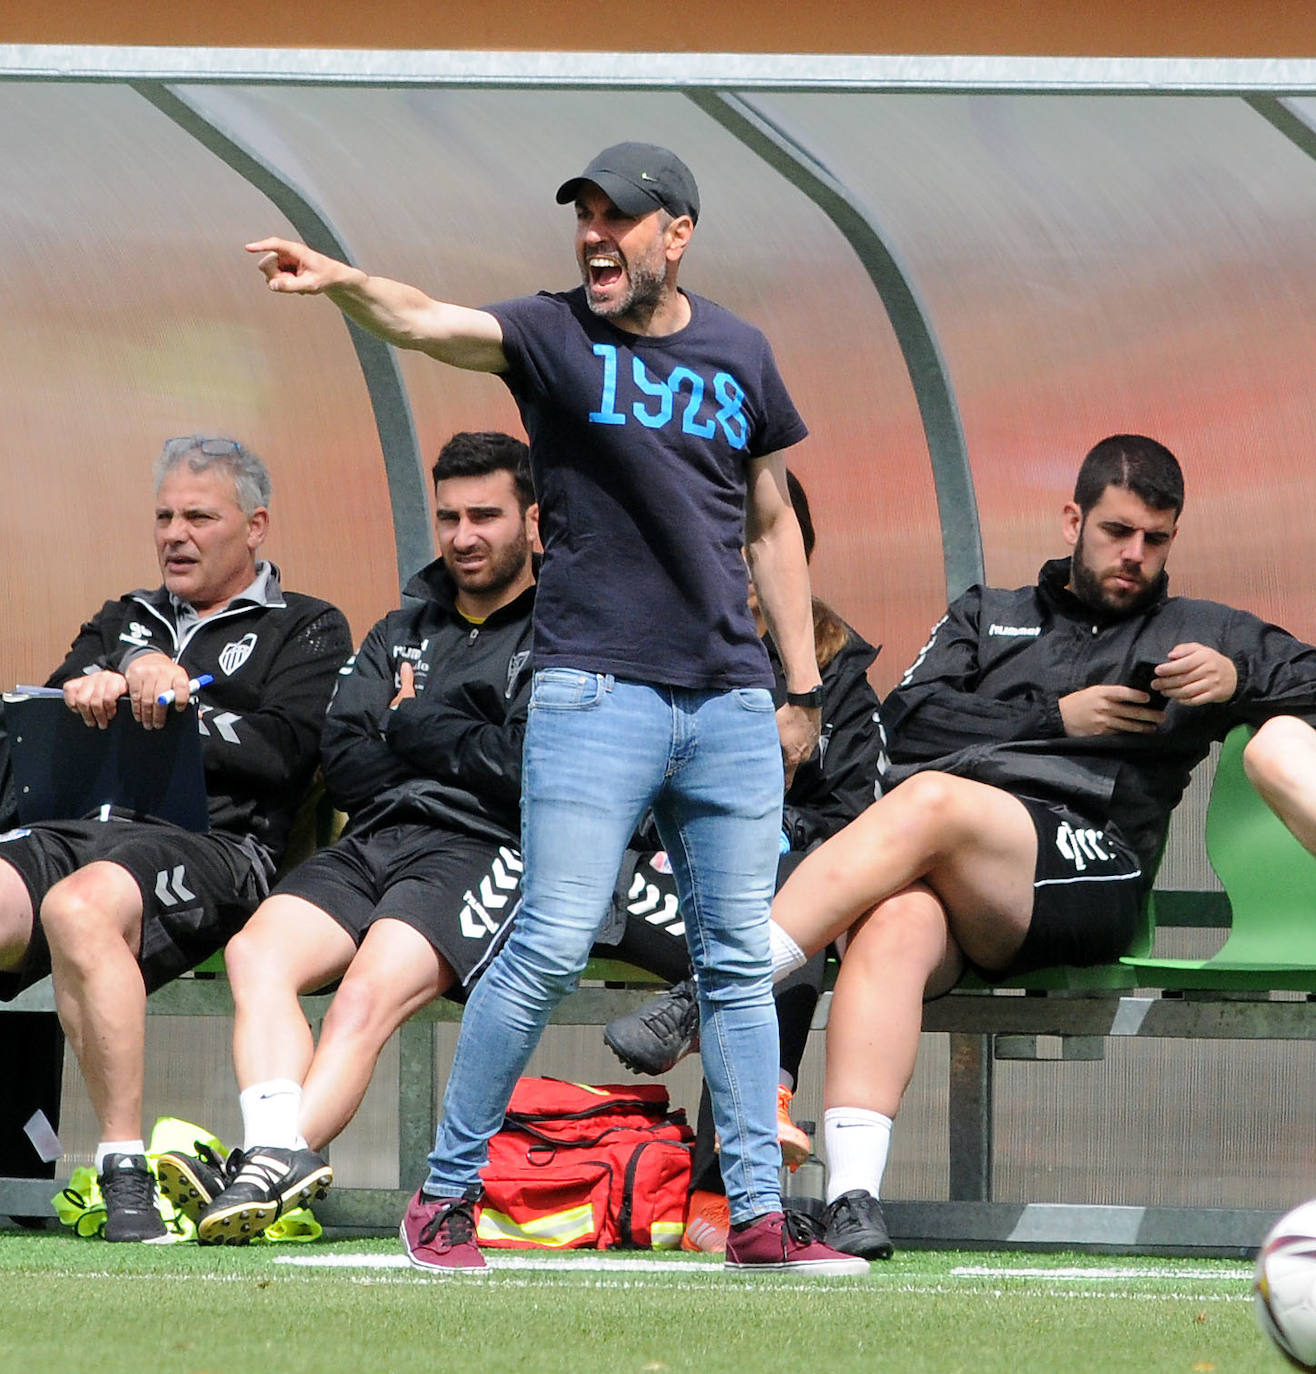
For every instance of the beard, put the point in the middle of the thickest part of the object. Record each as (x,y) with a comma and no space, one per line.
(1088,587)
(644,290)
(502,569)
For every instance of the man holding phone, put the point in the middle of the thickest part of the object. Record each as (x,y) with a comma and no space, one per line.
(1031,783)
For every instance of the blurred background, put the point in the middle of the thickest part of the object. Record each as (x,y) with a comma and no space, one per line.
(1079,264)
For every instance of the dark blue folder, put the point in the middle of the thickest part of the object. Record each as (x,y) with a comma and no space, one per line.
(65,771)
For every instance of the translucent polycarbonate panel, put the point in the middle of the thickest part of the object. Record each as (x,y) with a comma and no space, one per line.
(131,315)
(1159,1123)
(454,191)
(1104,264)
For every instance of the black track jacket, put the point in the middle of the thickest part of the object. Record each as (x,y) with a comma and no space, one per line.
(982,699)
(273,663)
(452,754)
(841,778)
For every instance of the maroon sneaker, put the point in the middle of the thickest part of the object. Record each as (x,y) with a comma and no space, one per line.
(438,1234)
(786,1243)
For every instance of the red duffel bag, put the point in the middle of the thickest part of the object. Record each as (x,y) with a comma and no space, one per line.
(579,1166)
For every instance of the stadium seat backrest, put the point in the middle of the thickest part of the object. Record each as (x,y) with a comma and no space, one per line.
(1269,877)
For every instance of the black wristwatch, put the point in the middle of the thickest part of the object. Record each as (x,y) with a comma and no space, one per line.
(813,698)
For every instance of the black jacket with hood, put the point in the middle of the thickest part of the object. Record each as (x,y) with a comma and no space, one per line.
(451,754)
(982,699)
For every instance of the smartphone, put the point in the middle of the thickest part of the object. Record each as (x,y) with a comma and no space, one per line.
(1141,678)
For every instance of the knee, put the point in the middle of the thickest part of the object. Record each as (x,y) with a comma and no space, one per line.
(243,959)
(540,967)
(934,802)
(77,917)
(355,1009)
(1281,754)
(905,932)
(256,966)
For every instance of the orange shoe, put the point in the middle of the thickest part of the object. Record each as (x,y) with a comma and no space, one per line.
(707,1223)
(795,1146)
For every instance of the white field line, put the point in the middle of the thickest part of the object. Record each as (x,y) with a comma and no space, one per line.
(500,1260)
(974,1271)
(628,1271)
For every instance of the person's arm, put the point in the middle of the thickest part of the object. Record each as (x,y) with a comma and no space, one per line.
(774,550)
(278,742)
(824,799)
(936,709)
(357,762)
(90,678)
(1275,673)
(398,313)
(467,733)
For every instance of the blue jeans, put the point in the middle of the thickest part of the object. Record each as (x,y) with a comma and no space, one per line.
(599,753)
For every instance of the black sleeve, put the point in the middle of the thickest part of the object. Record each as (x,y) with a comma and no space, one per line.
(823,799)
(357,761)
(467,732)
(88,652)
(936,708)
(271,746)
(1276,672)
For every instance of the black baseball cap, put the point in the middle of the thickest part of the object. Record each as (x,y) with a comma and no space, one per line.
(638,178)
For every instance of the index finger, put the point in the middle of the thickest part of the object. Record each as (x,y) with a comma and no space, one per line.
(270,246)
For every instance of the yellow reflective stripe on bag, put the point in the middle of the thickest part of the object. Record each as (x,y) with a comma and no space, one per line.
(555,1229)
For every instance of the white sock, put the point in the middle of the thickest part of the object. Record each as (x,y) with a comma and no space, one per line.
(787,956)
(271,1115)
(117,1147)
(857,1144)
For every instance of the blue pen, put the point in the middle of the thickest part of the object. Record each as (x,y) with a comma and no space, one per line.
(193,687)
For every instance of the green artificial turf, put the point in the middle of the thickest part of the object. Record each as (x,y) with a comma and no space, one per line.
(68,1304)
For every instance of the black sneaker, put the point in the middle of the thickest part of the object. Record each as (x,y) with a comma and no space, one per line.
(660,1034)
(854,1224)
(128,1187)
(193,1182)
(269,1183)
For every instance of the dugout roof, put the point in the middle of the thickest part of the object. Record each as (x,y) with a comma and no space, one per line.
(970,269)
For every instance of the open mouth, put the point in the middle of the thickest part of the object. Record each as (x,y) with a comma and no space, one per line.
(603,271)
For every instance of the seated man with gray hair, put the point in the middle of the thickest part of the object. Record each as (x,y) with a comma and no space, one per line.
(115,906)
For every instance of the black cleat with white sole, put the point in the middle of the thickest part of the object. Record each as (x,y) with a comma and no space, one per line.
(270,1182)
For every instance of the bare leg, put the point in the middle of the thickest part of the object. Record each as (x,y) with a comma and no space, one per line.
(1280,762)
(896,956)
(93,921)
(15,918)
(395,973)
(971,844)
(289,946)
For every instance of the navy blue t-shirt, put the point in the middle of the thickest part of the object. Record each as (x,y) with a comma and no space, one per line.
(638,447)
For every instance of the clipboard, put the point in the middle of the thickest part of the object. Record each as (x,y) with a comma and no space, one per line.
(64,770)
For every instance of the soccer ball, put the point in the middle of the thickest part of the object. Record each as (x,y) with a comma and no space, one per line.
(1284,1288)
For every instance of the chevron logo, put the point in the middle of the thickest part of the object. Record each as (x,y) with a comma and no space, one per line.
(657,908)
(170,887)
(497,888)
(499,885)
(223,721)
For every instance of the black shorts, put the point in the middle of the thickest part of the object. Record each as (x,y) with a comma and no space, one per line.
(1087,893)
(458,891)
(197,890)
